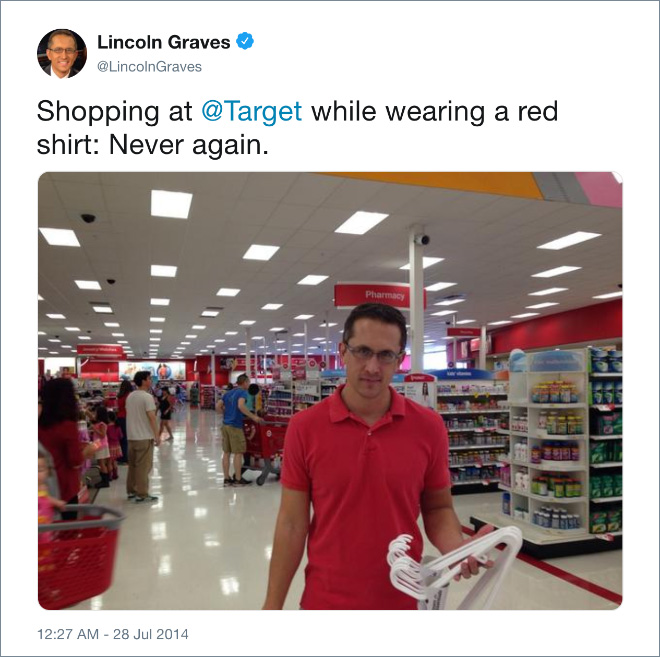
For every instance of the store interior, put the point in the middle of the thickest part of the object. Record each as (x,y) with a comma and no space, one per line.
(159,271)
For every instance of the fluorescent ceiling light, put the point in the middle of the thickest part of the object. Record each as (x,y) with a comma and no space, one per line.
(232,349)
(172,205)
(242,344)
(227,292)
(122,341)
(111,324)
(504,321)
(299,344)
(198,327)
(191,337)
(547,304)
(54,340)
(426,262)
(557,271)
(611,295)
(219,340)
(210,313)
(449,302)
(154,339)
(42,348)
(298,335)
(84,337)
(467,321)
(210,346)
(247,322)
(272,306)
(40,298)
(523,315)
(185,343)
(160,302)
(550,290)
(361,222)
(59,237)
(297,351)
(118,335)
(41,332)
(88,285)
(318,339)
(153,331)
(304,317)
(103,309)
(260,252)
(438,286)
(166,271)
(329,324)
(156,319)
(277,329)
(55,316)
(54,353)
(231,332)
(312,280)
(71,328)
(568,240)
(203,351)
(442,313)
(258,337)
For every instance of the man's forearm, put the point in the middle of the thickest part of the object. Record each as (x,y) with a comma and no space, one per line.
(154,426)
(288,548)
(443,529)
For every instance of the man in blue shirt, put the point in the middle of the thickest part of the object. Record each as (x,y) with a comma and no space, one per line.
(234,408)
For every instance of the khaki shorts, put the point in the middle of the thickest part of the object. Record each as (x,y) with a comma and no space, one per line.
(233,440)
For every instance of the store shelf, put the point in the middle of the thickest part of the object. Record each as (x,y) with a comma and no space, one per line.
(555,500)
(484,482)
(557,466)
(619,437)
(605,500)
(606,375)
(606,408)
(521,434)
(479,464)
(471,394)
(608,536)
(503,432)
(457,448)
(610,464)
(445,412)
(544,435)
(505,488)
(556,405)
(523,463)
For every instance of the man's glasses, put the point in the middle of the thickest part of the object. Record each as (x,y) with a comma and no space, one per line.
(59,51)
(386,357)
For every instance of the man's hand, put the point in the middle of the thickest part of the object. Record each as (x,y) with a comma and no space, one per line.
(157,441)
(471,566)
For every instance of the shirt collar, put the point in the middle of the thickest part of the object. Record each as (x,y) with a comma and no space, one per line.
(339,411)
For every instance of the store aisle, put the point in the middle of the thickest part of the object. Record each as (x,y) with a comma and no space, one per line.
(202,546)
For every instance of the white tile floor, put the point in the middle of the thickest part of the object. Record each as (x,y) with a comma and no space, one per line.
(202,546)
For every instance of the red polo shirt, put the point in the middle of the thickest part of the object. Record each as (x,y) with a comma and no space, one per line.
(365,485)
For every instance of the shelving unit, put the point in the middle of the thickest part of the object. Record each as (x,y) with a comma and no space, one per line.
(207,396)
(605,450)
(305,394)
(477,448)
(280,400)
(565,430)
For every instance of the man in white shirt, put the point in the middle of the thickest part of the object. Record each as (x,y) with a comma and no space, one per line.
(62,51)
(142,432)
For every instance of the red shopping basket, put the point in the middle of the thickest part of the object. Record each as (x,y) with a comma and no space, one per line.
(77,563)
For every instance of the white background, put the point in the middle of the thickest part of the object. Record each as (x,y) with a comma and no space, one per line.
(599,60)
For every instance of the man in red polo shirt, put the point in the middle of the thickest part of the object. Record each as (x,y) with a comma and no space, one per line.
(368,461)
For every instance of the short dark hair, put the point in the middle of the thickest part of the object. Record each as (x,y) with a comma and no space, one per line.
(112,417)
(102,414)
(242,379)
(141,377)
(58,402)
(253,389)
(66,33)
(381,313)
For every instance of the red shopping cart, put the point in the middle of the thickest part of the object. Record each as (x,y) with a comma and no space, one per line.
(78,562)
(267,445)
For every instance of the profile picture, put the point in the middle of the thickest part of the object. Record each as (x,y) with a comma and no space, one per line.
(62,54)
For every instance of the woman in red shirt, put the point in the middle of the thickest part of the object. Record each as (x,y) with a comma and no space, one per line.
(125,389)
(58,433)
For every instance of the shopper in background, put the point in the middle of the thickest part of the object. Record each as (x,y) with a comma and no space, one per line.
(100,437)
(166,405)
(368,460)
(234,408)
(114,444)
(58,433)
(142,435)
(125,389)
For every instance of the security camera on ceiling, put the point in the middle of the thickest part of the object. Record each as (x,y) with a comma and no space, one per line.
(88,218)
(422,240)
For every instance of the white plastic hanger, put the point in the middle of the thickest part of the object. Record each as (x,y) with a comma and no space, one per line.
(429,582)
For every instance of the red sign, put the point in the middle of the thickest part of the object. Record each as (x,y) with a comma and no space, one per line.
(455,332)
(103,351)
(349,295)
(410,378)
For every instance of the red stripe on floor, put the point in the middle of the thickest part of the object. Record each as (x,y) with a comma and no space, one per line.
(562,574)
